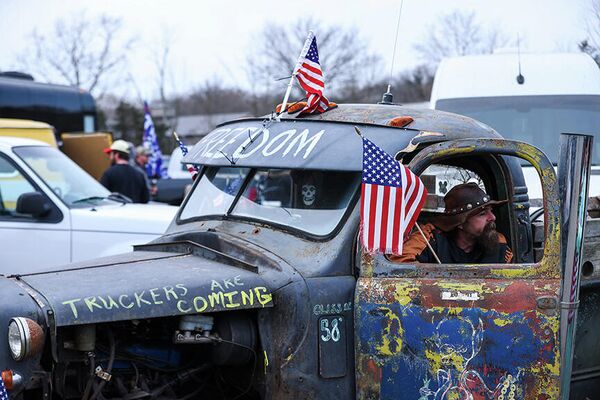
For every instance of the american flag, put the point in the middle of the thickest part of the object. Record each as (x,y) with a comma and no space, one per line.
(3,391)
(310,77)
(184,150)
(392,198)
(154,167)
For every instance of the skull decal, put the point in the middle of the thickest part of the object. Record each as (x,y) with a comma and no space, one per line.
(309,194)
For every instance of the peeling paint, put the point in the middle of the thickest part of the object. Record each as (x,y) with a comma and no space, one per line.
(499,347)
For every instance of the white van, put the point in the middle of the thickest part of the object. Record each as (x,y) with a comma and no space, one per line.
(532,99)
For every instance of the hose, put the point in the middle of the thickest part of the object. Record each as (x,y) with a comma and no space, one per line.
(184,376)
(111,360)
(90,382)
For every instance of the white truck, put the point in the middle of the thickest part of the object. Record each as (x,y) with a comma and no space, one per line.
(528,97)
(53,213)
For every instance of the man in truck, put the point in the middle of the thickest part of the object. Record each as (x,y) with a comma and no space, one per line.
(465,234)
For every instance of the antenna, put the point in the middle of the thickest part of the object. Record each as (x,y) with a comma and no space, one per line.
(520,77)
(388,97)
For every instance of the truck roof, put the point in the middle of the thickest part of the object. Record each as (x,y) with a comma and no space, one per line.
(494,75)
(453,126)
(327,140)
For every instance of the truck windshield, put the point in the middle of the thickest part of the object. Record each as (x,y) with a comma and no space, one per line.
(306,200)
(534,119)
(65,178)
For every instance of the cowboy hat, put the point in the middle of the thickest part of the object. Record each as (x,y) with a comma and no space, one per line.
(462,202)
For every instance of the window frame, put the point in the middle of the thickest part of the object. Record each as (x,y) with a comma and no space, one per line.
(55,215)
(260,222)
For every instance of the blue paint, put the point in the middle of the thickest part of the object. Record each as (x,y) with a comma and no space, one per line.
(472,333)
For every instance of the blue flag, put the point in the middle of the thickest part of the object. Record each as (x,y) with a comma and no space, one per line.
(155,167)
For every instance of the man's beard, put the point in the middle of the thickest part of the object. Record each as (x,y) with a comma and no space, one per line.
(488,239)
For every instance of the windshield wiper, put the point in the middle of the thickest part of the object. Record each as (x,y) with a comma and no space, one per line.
(88,199)
(119,197)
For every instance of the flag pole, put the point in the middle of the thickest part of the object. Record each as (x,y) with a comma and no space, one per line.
(176,136)
(307,42)
(191,169)
(428,244)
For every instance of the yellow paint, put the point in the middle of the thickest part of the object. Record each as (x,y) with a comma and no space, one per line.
(513,272)
(366,265)
(438,361)
(502,321)
(547,375)
(403,291)
(386,347)
(267,360)
(159,296)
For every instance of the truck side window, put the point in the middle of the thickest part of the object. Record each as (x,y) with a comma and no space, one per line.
(12,185)
(458,221)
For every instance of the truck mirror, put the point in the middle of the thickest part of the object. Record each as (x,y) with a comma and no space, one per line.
(33,203)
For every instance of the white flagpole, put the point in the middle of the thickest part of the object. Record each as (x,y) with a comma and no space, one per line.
(307,42)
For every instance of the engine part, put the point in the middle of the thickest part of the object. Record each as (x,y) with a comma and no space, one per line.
(85,337)
(237,338)
(196,323)
(187,337)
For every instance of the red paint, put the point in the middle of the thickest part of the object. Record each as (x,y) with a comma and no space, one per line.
(374,371)
(502,296)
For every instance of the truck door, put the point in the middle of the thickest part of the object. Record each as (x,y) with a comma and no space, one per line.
(462,332)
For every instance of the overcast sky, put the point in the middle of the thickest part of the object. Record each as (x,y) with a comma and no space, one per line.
(212,38)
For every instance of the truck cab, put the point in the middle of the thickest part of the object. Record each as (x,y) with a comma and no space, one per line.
(260,288)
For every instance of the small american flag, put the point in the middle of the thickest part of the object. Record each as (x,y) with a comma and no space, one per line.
(3,391)
(392,198)
(184,150)
(310,77)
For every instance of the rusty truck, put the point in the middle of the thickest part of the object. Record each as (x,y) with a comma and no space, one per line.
(260,289)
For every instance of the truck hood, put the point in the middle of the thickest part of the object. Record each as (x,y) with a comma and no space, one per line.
(132,218)
(147,284)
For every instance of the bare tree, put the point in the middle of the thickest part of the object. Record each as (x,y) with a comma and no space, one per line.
(80,51)
(161,54)
(457,34)
(591,45)
(343,54)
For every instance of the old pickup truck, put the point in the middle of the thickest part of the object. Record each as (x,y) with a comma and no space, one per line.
(260,288)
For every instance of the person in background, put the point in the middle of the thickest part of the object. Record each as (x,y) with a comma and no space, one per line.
(121,177)
(142,154)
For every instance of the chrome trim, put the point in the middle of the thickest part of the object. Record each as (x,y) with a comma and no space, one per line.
(573,183)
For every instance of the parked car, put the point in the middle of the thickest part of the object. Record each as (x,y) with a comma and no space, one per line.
(52,212)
